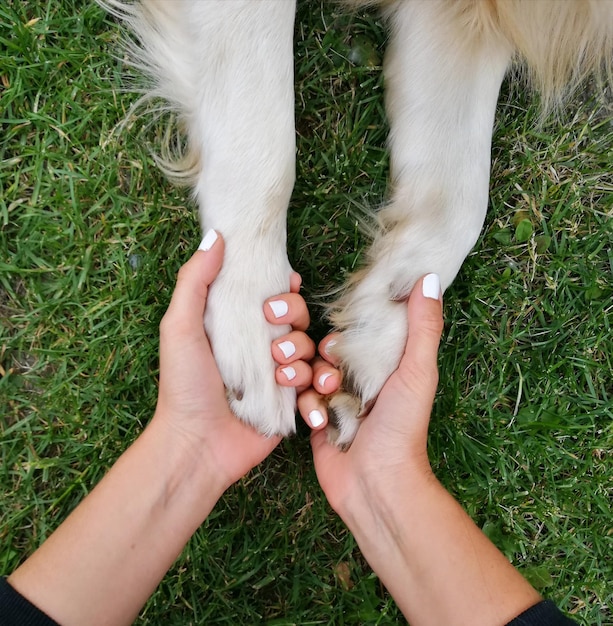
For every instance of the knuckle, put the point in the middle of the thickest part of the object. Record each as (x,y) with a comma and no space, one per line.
(172,326)
(165,324)
(183,272)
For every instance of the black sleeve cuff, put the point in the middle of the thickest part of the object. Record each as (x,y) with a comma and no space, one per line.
(15,610)
(545,613)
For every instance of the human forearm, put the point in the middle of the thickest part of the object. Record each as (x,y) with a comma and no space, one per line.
(101,565)
(439,567)
(104,561)
(437,564)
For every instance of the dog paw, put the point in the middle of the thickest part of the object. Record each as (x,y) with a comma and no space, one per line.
(411,239)
(373,332)
(241,340)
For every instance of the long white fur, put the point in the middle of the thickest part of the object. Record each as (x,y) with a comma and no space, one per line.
(441,91)
(227,68)
(244,128)
(443,72)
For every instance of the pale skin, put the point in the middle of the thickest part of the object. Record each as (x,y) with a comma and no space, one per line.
(436,563)
(105,560)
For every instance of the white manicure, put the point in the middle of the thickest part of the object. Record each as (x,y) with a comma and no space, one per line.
(288,348)
(431,286)
(316,418)
(209,239)
(329,346)
(323,378)
(290,372)
(279,308)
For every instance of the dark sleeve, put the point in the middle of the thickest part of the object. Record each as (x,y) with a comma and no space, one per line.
(545,613)
(15,610)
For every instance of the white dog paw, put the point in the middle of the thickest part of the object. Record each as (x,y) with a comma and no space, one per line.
(373,332)
(372,315)
(241,340)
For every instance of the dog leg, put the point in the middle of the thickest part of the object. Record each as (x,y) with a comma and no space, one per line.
(443,72)
(227,68)
(245,126)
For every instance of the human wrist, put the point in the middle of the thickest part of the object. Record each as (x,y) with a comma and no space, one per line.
(376,511)
(112,551)
(187,462)
(380,484)
(414,534)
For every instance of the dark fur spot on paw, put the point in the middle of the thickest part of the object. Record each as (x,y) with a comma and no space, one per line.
(236,394)
(334,418)
(349,385)
(367,408)
(399,291)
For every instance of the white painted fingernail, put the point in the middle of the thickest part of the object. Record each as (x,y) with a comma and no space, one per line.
(329,346)
(323,378)
(290,372)
(279,308)
(316,418)
(431,286)
(288,348)
(208,241)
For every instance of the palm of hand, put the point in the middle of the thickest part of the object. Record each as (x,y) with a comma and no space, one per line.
(390,442)
(192,399)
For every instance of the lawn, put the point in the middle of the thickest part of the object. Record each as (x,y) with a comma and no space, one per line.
(91,238)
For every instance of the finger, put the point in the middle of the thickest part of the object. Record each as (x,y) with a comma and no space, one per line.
(189,297)
(296,374)
(326,348)
(312,408)
(295,282)
(326,378)
(425,320)
(425,313)
(293,347)
(288,308)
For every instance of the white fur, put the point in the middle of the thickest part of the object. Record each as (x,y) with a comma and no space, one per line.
(443,72)
(441,95)
(244,131)
(226,67)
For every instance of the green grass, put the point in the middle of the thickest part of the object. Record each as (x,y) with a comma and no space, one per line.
(91,236)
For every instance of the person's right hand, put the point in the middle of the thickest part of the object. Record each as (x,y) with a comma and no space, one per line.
(389,450)
(435,562)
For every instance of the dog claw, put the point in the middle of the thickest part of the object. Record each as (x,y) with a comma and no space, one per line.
(345,413)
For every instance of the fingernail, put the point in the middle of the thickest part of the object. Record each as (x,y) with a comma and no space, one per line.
(329,346)
(316,418)
(288,348)
(323,378)
(290,372)
(207,242)
(279,308)
(431,286)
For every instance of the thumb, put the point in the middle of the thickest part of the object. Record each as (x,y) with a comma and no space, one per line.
(323,450)
(194,279)
(418,366)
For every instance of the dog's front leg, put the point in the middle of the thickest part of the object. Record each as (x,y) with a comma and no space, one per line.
(244,129)
(227,68)
(443,72)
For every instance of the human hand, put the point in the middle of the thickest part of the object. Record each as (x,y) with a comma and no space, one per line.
(192,401)
(435,562)
(390,445)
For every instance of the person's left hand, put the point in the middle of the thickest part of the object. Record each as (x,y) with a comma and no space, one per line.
(192,399)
